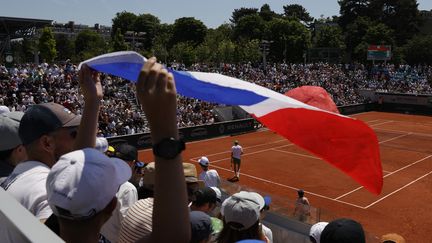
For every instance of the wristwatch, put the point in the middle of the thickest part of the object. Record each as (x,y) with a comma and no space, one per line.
(169,148)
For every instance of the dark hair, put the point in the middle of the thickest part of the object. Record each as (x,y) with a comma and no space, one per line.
(5,154)
(229,234)
(300,193)
(203,196)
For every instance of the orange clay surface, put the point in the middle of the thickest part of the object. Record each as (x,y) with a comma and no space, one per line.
(273,165)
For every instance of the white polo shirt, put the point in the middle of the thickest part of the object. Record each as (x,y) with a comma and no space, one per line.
(210,178)
(237,150)
(27,184)
(127,195)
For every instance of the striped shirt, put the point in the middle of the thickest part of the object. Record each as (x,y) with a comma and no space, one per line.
(138,221)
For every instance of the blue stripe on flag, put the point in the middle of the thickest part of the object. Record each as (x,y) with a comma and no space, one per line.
(126,70)
(189,86)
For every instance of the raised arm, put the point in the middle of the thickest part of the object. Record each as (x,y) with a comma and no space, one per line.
(156,92)
(91,89)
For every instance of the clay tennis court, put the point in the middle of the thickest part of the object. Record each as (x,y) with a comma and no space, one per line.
(272,165)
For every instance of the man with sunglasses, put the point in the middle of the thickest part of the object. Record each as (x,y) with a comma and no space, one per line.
(47,132)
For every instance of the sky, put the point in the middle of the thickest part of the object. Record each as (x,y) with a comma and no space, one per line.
(212,12)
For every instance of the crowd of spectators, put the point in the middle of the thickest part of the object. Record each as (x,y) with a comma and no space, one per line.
(57,170)
(29,84)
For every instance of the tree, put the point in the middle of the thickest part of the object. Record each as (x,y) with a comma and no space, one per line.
(248,51)
(65,47)
(402,16)
(118,42)
(249,27)
(148,24)
(350,10)
(418,50)
(184,52)
(160,41)
(89,44)
(355,32)
(47,45)
(290,40)
(242,12)
(207,50)
(188,29)
(124,21)
(266,13)
(297,12)
(329,36)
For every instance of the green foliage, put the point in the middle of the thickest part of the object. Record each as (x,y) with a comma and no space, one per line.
(350,10)
(65,47)
(184,52)
(266,13)
(160,42)
(89,44)
(188,29)
(364,32)
(47,45)
(148,24)
(118,42)
(297,12)
(402,16)
(329,36)
(124,21)
(418,50)
(249,27)
(242,12)
(290,40)
(248,51)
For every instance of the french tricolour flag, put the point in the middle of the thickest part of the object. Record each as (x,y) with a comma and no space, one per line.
(346,143)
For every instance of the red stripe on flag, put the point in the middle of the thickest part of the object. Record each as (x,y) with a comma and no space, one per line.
(348,144)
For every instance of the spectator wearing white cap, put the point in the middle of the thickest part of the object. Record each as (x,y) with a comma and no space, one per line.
(170,212)
(127,195)
(210,177)
(49,131)
(12,151)
(4,109)
(264,203)
(241,217)
(82,195)
(315,231)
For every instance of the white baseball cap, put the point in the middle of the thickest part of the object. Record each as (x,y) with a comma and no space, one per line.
(241,208)
(316,229)
(83,182)
(101,144)
(204,161)
(4,109)
(218,193)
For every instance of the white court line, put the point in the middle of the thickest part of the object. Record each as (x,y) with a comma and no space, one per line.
(389,174)
(373,120)
(245,154)
(394,138)
(216,138)
(298,154)
(412,182)
(290,187)
(382,123)
(254,146)
(413,133)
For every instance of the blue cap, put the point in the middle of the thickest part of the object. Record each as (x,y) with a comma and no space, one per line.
(267,200)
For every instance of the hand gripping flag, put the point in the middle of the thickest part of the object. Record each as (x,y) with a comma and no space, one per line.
(346,143)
